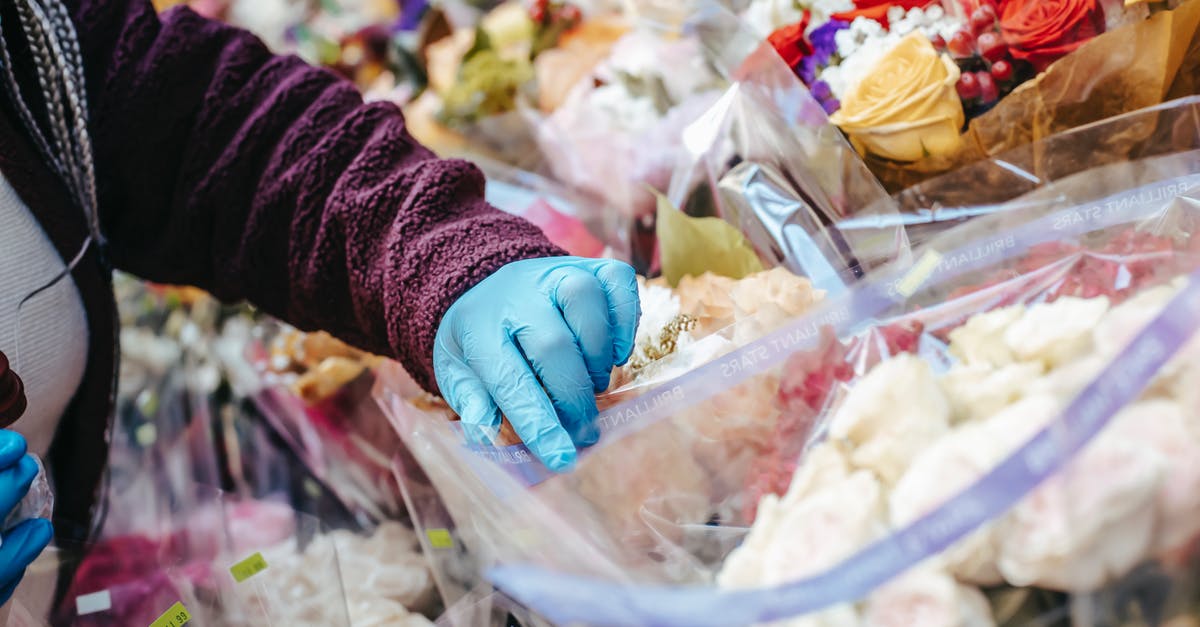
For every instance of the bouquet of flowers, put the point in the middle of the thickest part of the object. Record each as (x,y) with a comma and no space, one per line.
(246,562)
(367,41)
(966,439)
(923,87)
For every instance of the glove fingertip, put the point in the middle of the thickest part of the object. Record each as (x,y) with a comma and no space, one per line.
(41,532)
(12,447)
(562,462)
(624,352)
(6,593)
(590,435)
(28,539)
(27,470)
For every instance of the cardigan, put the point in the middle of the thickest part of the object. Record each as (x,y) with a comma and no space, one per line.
(255,177)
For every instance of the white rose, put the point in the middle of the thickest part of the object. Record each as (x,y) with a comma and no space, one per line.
(1055,333)
(978,391)
(929,598)
(891,414)
(981,339)
(940,472)
(808,535)
(1163,426)
(1088,525)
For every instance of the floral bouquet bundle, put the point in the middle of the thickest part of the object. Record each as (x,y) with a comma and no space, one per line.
(999,432)
(481,77)
(924,87)
(246,562)
(366,41)
(314,392)
(766,160)
(595,101)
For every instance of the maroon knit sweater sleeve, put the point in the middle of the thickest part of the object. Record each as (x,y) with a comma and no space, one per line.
(259,177)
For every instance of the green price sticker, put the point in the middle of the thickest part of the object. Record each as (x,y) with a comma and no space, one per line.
(177,616)
(248,567)
(440,538)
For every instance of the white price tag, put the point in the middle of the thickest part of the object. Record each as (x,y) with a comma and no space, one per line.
(92,603)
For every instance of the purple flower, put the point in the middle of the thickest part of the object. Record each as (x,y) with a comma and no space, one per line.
(821,91)
(824,95)
(411,12)
(807,70)
(824,40)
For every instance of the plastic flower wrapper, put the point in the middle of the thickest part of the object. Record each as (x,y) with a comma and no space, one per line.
(617,130)
(570,220)
(986,186)
(1061,487)
(478,75)
(38,502)
(173,556)
(232,561)
(466,600)
(294,578)
(558,70)
(314,392)
(343,578)
(766,159)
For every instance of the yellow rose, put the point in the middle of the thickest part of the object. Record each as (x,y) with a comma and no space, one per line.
(907,107)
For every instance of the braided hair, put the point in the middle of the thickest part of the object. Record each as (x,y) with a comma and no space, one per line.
(59,64)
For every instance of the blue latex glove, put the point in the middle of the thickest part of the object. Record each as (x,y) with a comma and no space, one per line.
(26,541)
(558,323)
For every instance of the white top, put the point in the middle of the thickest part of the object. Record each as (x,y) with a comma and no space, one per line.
(53,324)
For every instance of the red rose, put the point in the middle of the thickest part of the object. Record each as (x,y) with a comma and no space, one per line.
(791,43)
(1043,31)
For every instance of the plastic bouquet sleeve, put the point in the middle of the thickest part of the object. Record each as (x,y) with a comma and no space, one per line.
(328,420)
(582,226)
(765,158)
(1129,68)
(1007,413)
(217,561)
(987,186)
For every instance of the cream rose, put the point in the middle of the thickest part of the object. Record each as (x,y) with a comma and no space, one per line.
(906,107)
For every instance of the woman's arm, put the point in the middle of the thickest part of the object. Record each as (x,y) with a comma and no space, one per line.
(260,177)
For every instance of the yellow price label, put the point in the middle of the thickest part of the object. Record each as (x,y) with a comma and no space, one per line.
(177,616)
(440,538)
(919,273)
(248,567)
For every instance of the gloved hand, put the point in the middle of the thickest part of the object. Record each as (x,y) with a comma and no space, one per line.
(558,323)
(26,541)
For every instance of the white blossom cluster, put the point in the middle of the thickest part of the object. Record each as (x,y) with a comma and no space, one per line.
(766,16)
(866,41)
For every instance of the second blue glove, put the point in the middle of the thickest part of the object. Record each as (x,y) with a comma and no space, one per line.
(535,341)
(23,543)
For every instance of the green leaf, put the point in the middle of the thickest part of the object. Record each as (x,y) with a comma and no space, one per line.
(482,43)
(693,246)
